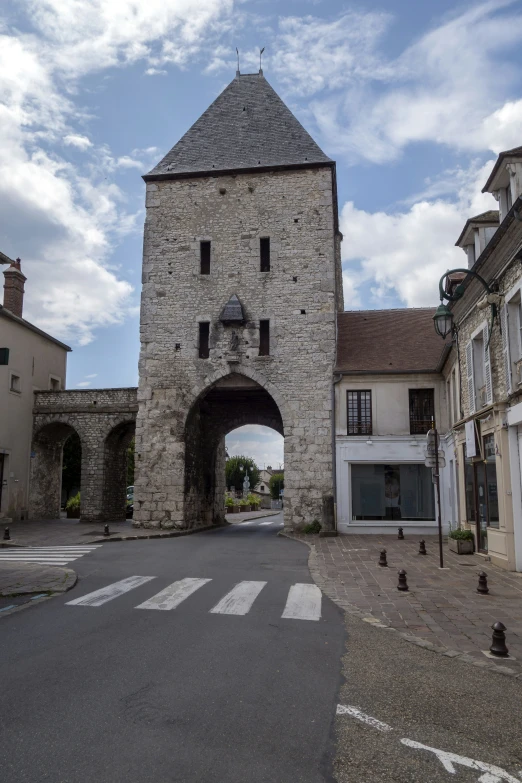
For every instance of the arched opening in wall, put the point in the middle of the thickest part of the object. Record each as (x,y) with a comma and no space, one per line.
(232,402)
(118,467)
(257,453)
(71,476)
(55,469)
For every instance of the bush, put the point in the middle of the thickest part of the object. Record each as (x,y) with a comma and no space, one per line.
(461,535)
(243,503)
(313,527)
(73,504)
(229,502)
(254,500)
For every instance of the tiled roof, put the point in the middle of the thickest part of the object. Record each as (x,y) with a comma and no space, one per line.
(516,152)
(489,217)
(391,341)
(248,126)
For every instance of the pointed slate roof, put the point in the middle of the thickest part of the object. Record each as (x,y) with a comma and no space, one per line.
(232,311)
(247,127)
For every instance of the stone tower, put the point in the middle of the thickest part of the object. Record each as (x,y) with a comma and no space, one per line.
(241,286)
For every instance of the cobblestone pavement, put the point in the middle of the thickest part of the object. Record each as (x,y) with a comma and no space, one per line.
(442,607)
(51,532)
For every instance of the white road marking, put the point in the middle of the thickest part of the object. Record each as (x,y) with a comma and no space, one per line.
(248,522)
(355,713)
(46,555)
(99,597)
(174,594)
(493,774)
(303,603)
(240,599)
(270,522)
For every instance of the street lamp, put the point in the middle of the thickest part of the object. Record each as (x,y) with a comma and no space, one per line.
(443,318)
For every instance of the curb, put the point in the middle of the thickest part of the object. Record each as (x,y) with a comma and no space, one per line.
(165,534)
(377,623)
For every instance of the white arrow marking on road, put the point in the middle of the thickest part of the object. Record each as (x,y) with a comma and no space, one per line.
(493,774)
(174,594)
(303,603)
(355,713)
(240,599)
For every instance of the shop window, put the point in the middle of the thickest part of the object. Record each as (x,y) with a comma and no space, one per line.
(491,481)
(359,412)
(482,492)
(469,478)
(422,411)
(391,492)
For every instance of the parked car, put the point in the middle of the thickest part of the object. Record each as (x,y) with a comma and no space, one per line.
(130,493)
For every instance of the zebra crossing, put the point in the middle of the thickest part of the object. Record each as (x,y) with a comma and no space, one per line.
(46,555)
(302,603)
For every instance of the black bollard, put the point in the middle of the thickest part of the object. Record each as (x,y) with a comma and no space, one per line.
(403,584)
(422,547)
(498,644)
(106,530)
(483,583)
(401,534)
(382,558)
(7,536)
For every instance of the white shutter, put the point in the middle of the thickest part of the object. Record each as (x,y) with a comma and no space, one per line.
(504,322)
(488,382)
(469,374)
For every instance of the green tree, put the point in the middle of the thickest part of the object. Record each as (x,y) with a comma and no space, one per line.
(276,484)
(72,464)
(130,464)
(235,476)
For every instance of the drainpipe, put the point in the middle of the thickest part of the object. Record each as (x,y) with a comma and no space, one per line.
(335,381)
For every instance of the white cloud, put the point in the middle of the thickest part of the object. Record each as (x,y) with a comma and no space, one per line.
(92,375)
(156,72)
(403,254)
(64,221)
(76,140)
(264,445)
(452,86)
(83,384)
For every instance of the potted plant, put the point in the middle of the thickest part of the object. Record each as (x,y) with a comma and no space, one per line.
(461,542)
(254,501)
(229,505)
(244,505)
(72,507)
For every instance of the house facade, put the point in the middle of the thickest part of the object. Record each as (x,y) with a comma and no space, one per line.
(30,360)
(483,371)
(389,391)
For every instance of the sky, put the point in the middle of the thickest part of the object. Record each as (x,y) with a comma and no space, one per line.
(413,100)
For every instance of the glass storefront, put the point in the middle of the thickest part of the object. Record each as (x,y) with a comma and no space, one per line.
(481,492)
(392,491)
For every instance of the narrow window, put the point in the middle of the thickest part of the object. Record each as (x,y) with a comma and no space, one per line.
(264,252)
(422,411)
(4,355)
(54,384)
(204,331)
(15,385)
(264,338)
(359,409)
(204,255)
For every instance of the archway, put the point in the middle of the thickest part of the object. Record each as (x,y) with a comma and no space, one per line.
(116,446)
(265,448)
(45,495)
(231,402)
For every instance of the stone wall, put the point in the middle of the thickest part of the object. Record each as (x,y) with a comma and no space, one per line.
(298,296)
(105,421)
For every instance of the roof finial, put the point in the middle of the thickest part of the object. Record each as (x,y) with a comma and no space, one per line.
(260,56)
(237,52)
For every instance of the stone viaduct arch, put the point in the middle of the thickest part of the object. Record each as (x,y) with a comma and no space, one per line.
(105,421)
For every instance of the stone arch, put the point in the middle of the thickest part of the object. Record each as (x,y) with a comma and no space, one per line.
(116,442)
(46,465)
(230,401)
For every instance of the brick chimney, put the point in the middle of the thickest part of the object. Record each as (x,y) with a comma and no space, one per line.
(14,288)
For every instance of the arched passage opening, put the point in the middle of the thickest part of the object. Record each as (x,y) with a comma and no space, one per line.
(231,402)
(115,471)
(48,482)
(258,451)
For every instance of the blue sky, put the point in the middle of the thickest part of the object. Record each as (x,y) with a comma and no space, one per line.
(413,100)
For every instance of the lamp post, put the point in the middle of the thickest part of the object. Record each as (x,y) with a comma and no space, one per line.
(443,318)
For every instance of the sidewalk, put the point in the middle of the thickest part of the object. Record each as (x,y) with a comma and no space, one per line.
(23,583)
(442,609)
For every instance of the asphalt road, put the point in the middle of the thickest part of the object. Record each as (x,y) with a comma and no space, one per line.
(111,693)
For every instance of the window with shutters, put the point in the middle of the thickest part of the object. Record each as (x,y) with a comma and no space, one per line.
(422,411)
(359,412)
(478,370)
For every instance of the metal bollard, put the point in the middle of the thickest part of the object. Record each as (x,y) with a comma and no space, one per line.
(498,645)
(7,536)
(403,584)
(422,547)
(382,558)
(106,530)
(482,583)
(401,534)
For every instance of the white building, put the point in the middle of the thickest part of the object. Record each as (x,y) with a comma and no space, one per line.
(389,389)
